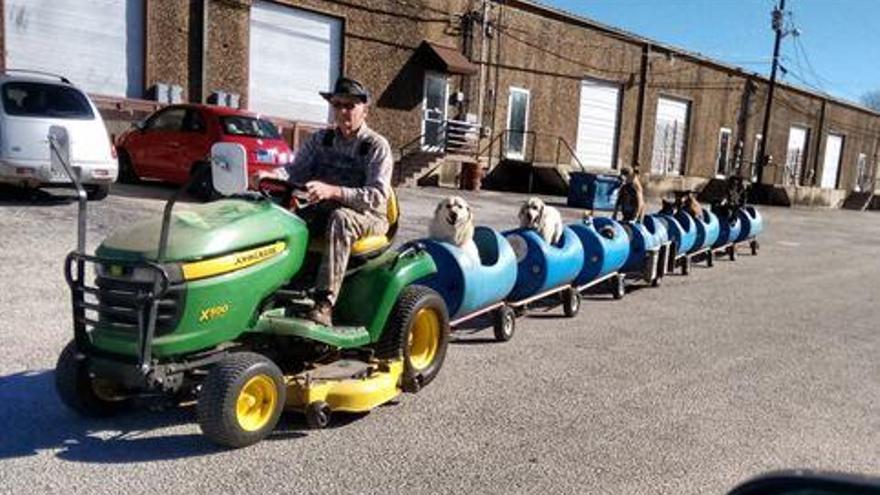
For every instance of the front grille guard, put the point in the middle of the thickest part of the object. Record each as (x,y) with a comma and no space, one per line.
(146,304)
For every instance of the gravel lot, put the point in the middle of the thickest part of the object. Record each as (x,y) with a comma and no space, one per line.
(764,363)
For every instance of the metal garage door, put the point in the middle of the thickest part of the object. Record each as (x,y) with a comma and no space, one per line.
(831,164)
(97,44)
(294,54)
(670,136)
(597,124)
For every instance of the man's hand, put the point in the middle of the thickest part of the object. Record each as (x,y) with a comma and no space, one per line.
(320,191)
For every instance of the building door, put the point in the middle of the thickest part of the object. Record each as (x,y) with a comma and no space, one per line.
(517,123)
(863,175)
(722,158)
(97,45)
(294,54)
(597,124)
(670,136)
(831,163)
(795,156)
(435,106)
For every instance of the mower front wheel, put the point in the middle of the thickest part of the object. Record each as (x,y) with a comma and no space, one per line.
(241,400)
(418,331)
(86,394)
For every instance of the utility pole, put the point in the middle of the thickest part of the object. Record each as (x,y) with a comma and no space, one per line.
(778,22)
(483,61)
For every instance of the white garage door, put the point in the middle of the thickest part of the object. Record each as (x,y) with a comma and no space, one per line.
(97,44)
(597,124)
(670,136)
(833,149)
(294,54)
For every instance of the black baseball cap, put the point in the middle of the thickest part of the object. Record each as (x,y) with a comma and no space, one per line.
(346,86)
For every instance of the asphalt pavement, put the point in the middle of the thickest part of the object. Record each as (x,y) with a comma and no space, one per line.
(765,363)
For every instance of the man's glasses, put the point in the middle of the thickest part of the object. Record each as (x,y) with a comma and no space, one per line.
(347,105)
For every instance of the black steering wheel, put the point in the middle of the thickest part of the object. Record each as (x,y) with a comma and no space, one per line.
(283,193)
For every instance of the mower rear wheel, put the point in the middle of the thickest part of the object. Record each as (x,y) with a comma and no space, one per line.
(241,400)
(504,324)
(81,391)
(417,331)
(571,302)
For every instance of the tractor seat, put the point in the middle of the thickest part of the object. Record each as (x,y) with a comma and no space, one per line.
(372,245)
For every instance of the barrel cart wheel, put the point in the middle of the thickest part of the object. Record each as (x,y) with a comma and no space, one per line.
(504,324)
(731,252)
(755,246)
(618,286)
(571,302)
(710,258)
(686,265)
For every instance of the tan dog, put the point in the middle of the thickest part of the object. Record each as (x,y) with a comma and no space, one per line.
(691,205)
(546,220)
(453,222)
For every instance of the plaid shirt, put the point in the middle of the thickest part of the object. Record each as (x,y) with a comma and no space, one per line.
(361,165)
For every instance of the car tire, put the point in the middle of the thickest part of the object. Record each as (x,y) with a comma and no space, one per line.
(127,174)
(97,192)
(203,187)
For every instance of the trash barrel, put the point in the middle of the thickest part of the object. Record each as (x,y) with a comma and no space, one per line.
(593,191)
(471,176)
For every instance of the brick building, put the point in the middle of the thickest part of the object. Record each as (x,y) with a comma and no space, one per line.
(510,82)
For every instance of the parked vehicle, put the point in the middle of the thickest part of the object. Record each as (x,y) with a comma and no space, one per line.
(32,102)
(175,142)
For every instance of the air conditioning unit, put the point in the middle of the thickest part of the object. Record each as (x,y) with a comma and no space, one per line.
(224,99)
(166,93)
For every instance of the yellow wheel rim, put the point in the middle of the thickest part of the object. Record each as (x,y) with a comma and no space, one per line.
(424,338)
(256,402)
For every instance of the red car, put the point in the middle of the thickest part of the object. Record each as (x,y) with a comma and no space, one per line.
(174,142)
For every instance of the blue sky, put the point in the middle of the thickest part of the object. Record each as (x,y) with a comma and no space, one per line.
(838,50)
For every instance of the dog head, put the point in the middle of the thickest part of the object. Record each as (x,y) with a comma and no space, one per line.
(667,207)
(453,220)
(531,212)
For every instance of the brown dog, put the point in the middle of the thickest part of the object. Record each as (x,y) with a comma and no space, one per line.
(631,198)
(691,205)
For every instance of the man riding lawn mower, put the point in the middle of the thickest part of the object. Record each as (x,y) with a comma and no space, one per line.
(208,301)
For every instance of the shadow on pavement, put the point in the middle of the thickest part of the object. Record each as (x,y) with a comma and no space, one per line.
(35,419)
(21,196)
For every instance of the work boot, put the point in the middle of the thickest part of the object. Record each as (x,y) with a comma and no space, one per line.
(321,313)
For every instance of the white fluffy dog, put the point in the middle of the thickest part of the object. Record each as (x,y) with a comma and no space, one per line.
(546,220)
(453,222)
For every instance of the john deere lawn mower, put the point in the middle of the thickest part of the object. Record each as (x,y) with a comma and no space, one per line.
(204,304)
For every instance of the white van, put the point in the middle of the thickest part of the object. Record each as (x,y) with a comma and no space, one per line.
(30,103)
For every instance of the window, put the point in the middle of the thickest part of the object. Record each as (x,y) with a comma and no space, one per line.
(722,158)
(517,123)
(30,99)
(796,156)
(755,157)
(170,120)
(237,125)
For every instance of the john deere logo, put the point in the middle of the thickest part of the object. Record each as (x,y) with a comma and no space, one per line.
(213,313)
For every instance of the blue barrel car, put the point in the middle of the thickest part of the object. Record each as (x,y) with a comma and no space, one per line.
(544,269)
(476,280)
(728,232)
(752,225)
(708,229)
(606,249)
(644,252)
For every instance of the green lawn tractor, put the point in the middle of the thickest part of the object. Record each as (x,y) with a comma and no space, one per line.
(204,304)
